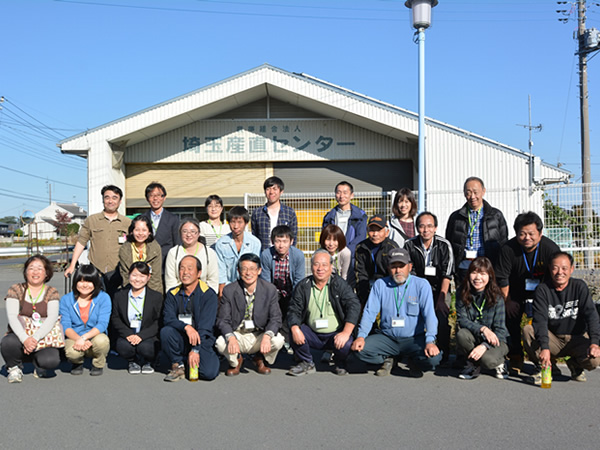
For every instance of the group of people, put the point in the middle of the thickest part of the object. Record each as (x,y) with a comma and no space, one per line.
(379,288)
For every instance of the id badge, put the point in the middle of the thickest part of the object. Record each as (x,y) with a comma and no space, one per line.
(36,319)
(398,323)
(249,325)
(185,318)
(430,271)
(135,324)
(531,284)
(321,323)
(470,254)
(122,239)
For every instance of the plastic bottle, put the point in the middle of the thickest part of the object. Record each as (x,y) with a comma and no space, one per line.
(547,377)
(193,373)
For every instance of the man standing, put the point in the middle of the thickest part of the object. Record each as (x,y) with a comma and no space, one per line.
(372,257)
(105,232)
(233,245)
(283,265)
(432,259)
(273,213)
(351,219)
(249,319)
(165,225)
(322,314)
(565,322)
(407,321)
(189,314)
(520,269)
(476,229)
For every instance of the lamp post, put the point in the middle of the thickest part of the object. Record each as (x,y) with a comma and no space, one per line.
(421,20)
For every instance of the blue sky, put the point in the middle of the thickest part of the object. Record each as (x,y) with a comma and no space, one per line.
(75,65)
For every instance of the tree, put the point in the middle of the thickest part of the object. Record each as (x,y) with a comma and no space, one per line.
(10,220)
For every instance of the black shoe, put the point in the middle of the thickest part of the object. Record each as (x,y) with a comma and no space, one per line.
(77,369)
(96,371)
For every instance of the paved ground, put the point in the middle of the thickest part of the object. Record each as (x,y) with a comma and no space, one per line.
(118,410)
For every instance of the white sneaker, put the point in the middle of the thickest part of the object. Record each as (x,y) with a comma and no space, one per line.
(470,371)
(15,374)
(147,369)
(501,372)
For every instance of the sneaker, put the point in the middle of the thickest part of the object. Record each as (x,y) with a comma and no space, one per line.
(470,371)
(536,378)
(501,372)
(77,369)
(147,369)
(134,368)
(340,369)
(15,374)
(96,371)
(577,373)
(386,368)
(303,368)
(176,373)
(40,373)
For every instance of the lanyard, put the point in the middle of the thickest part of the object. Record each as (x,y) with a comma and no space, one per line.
(34,302)
(336,261)
(479,309)
(398,306)
(473,225)
(321,297)
(530,270)
(218,235)
(196,251)
(248,313)
(373,256)
(132,303)
(187,300)
(157,223)
(140,252)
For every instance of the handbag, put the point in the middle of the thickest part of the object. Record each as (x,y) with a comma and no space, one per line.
(54,339)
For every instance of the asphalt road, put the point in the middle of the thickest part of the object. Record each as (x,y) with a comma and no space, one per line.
(118,410)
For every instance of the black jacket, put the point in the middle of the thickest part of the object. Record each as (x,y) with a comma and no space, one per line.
(266,313)
(151,315)
(342,298)
(494,232)
(366,270)
(441,256)
(167,233)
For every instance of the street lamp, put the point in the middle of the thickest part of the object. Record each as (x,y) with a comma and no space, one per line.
(421,20)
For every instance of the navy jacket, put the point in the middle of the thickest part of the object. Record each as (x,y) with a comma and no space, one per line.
(357,226)
(167,233)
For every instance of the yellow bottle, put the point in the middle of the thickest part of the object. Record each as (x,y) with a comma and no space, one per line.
(547,377)
(193,373)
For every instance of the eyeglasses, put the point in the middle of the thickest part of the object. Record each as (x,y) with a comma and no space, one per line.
(428,226)
(189,232)
(156,196)
(249,269)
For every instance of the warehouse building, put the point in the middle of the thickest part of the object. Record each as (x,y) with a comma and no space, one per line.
(228,137)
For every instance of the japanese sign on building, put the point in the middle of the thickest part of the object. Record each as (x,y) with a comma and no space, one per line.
(261,140)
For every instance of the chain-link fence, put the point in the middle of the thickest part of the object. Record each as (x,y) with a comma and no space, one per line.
(570,213)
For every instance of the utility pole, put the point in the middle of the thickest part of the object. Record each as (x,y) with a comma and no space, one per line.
(586,169)
(531,128)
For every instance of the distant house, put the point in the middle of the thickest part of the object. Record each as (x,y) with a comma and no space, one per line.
(46,219)
(6,230)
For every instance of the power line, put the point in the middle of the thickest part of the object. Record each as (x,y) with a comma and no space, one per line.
(29,115)
(42,178)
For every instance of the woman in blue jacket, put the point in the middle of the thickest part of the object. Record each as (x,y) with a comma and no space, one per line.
(85,315)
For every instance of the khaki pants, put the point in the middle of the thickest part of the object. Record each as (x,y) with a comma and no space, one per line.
(560,346)
(98,351)
(250,343)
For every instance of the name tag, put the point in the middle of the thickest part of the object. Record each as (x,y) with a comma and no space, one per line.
(185,318)
(531,284)
(122,239)
(430,271)
(321,323)
(470,254)
(398,323)
(249,325)
(137,324)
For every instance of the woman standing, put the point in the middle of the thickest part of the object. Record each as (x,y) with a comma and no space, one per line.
(480,311)
(32,312)
(141,247)
(190,233)
(213,228)
(402,222)
(85,313)
(333,240)
(135,319)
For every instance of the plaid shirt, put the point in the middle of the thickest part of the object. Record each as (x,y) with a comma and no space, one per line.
(281,275)
(492,317)
(261,223)
(474,241)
